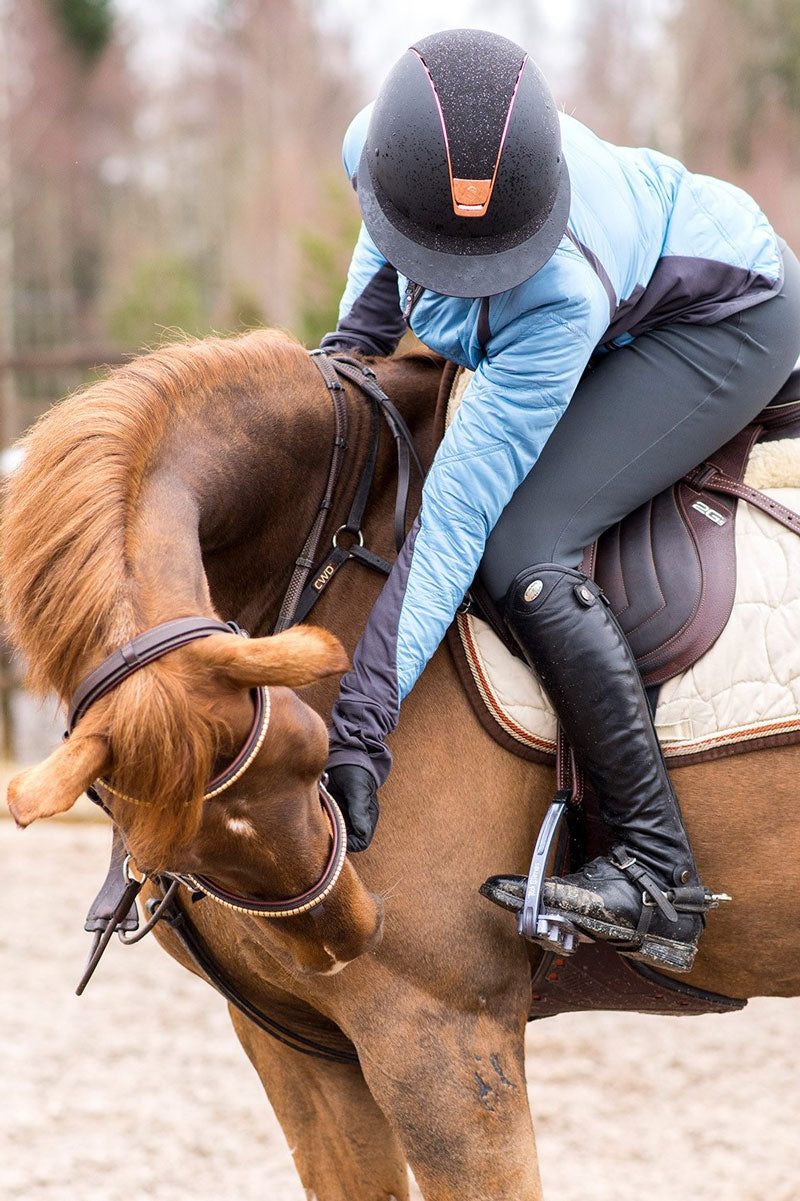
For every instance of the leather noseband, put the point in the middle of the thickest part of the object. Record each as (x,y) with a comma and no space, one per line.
(145,648)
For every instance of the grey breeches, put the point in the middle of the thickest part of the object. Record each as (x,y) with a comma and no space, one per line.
(640,418)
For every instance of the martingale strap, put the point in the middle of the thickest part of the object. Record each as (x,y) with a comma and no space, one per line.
(305,560)
(364,377)
(303,593)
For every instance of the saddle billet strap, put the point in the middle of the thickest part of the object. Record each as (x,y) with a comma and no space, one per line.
(760,500)
(141,650)
(305,561)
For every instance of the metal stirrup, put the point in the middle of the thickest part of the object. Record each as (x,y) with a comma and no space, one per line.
(548,929)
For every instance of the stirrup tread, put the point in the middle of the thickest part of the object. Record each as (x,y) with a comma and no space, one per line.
(667,953)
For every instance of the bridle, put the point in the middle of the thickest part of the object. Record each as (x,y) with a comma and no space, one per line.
(153,644)
(114,908)
(300,597)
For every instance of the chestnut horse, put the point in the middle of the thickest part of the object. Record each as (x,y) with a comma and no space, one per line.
(185,484)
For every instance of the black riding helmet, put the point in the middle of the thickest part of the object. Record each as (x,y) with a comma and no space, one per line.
(462,181)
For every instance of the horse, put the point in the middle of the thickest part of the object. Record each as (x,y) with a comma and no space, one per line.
(183,484)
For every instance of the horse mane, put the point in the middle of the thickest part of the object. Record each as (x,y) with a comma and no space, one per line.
(67,588)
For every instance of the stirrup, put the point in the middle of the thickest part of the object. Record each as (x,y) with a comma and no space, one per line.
(638,942)
(552,931)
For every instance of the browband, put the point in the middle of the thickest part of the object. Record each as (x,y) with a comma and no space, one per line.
(137,653)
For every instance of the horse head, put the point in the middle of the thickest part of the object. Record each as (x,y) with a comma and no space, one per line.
(265,838)
(175,488)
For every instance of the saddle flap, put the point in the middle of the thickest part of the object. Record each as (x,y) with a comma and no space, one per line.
(669,568)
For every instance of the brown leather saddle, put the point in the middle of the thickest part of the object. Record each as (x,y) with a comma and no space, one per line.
(669,568)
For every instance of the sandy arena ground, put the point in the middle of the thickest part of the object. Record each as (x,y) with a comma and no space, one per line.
(140,1088)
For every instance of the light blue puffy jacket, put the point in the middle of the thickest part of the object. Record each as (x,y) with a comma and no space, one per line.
(647,243)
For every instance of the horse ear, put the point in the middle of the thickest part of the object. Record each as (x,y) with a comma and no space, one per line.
(295,657)
(54,785)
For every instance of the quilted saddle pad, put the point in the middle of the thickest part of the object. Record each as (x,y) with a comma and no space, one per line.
(743,694)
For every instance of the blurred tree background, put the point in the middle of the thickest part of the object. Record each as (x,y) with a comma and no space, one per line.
(157,176)
(142,197)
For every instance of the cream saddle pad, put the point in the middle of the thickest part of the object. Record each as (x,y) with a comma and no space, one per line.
(745,689)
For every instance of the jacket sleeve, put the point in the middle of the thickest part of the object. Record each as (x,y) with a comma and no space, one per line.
(370,319)
(516,396)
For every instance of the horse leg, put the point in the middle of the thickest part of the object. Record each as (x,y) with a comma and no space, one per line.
(343,1147)
(453,1086)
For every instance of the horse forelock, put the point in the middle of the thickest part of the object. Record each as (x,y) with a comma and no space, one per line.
(164,743)
(69,594)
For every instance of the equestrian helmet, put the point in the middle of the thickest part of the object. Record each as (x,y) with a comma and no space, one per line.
(462,181)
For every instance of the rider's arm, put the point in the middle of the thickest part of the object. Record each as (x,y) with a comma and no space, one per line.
(517,394)
(370,318)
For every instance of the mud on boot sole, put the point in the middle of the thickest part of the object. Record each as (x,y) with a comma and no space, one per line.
(509,893)
(664,952)
(506,891)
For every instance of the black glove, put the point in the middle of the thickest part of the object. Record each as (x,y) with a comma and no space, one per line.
(356,792)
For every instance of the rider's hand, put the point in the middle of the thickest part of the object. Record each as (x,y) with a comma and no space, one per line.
(356,792)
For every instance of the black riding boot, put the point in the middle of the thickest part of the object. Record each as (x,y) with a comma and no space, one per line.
(646,896)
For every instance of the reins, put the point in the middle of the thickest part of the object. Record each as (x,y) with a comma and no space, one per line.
(303,593)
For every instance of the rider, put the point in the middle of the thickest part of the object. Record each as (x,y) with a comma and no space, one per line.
(623,319)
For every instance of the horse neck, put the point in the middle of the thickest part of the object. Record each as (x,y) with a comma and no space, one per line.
(225,494)
(251,534)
